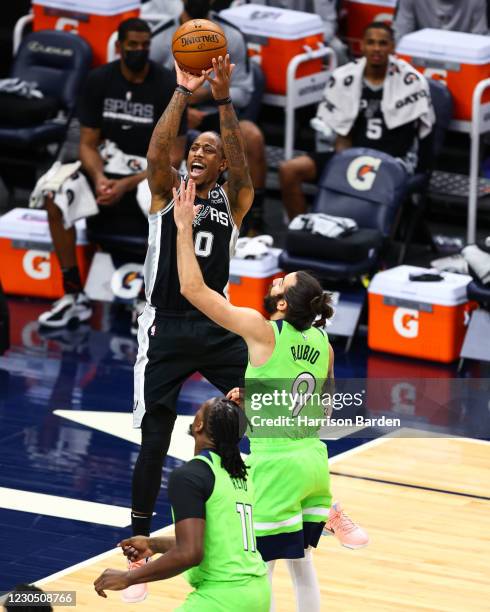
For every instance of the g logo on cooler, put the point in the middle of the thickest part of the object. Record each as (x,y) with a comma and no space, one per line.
(37,264)
(406,322)
(361,172)
(127,281)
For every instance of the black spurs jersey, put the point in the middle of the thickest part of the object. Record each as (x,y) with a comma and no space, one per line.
(215,235)
(370,130)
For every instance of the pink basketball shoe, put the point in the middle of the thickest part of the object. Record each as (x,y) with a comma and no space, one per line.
(135,592)
(344,529)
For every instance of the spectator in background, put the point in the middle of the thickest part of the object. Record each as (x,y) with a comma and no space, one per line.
(121,103)
(456,15)
(202,114)
(325,9)
(360,103)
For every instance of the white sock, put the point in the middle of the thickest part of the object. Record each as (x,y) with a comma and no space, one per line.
(305,583)
(270,570)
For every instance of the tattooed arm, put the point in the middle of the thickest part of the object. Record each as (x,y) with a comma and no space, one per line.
(239,185)
(162,177)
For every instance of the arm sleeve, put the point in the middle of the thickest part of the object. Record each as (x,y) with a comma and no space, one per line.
(404,19)
(480,25)
(91,101)
(189,488)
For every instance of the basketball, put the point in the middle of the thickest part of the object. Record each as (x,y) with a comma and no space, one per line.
(195,44)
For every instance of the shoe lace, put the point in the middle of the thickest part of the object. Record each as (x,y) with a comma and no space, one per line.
(343,522)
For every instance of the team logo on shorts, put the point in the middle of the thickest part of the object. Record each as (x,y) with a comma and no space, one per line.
(362,171)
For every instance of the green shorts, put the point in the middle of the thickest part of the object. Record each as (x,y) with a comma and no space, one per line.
(292,485)
(254,595)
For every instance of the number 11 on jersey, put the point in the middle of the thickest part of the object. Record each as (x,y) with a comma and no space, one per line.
(245,512)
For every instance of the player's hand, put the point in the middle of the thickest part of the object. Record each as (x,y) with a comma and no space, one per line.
(184,208)
(220,83)
(236,395)
(190,81)
(111,580)
(136,548)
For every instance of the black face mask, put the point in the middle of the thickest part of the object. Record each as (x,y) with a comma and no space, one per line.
(136,60)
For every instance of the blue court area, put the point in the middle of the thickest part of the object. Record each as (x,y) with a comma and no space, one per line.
(67,448)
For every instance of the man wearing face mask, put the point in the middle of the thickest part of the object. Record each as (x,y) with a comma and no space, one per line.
(121,104)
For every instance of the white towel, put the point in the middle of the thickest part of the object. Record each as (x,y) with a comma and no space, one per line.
(324,225)
(479,262)
(70,190)
(406,97)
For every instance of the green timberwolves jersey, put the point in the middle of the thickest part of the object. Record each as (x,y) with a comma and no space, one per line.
(230,550)
(283,397)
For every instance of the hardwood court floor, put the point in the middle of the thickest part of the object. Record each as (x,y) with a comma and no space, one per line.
(425,503)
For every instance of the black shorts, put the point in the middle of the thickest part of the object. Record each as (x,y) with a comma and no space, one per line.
(320,160)
(171,348)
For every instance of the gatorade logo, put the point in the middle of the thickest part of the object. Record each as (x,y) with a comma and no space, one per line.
(127,281)
(362,171)
(403,397)
(37,264)
(438,74)
(66,24)
(406,322)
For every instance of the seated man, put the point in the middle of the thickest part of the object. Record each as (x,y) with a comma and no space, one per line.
(201,113)
(456,15)
(121,104)
(379,102)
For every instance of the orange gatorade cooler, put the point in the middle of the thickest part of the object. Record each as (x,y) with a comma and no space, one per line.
(274,37)
(457,59)
(251,278)
(29,265)
(93,20)
(425,319)
(360,13)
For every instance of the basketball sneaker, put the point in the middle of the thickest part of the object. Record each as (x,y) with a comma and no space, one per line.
(71,307)
(344,529)
(135,592)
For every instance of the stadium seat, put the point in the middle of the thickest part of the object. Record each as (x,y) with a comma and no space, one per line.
(58,62)
(418,184)
(367,186)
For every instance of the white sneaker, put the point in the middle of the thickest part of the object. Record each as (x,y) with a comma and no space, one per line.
(69,307)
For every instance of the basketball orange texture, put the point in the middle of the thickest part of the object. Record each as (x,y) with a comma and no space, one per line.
(195,44)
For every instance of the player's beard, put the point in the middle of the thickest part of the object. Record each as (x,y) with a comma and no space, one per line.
(270,303)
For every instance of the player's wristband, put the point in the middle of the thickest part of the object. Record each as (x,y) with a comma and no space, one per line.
(183,90)
(223,101)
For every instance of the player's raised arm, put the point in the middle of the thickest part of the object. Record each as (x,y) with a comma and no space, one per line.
(161,175)
(239,185)
(245,322)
